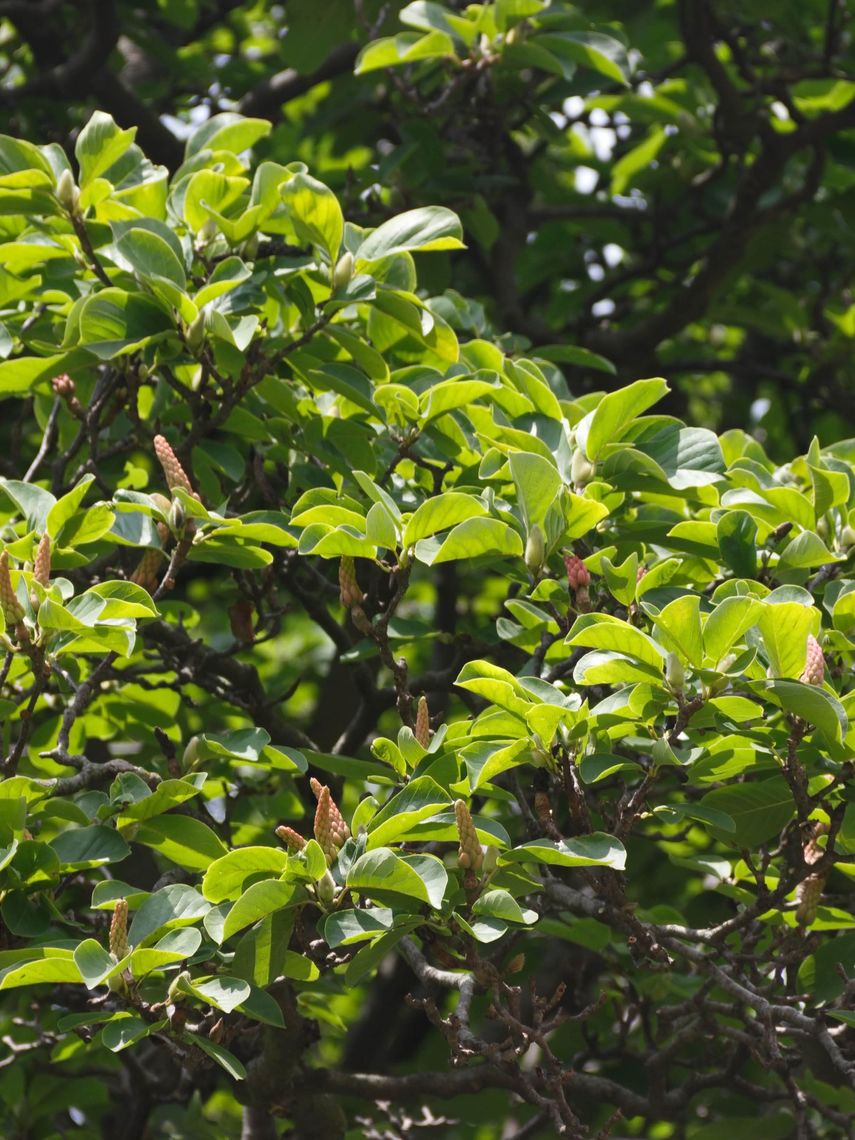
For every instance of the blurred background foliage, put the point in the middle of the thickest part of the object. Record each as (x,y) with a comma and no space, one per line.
(685,207)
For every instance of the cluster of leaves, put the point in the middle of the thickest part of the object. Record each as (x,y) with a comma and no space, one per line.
(666,185)
(578,676)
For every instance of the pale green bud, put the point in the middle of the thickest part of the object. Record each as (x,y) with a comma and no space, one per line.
(581,468)
(675,674)
(535,550)
(343,271)
(67,193)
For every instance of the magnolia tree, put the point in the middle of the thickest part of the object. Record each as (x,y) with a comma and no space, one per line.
(393,744)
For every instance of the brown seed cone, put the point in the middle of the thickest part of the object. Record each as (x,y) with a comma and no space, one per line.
(808,895)
(323,829)
(12,609)
(338,826)
(814,671)
(351,594)
(469,856)
(146,573)
(172,470)
(240,620)
(41,567)
(119,930)
(516,964)
(292,839)
(422,733)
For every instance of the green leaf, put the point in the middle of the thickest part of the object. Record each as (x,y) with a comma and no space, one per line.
(502,905)
(259,900)
(221,992)
(580,357)
(614,413)
(679,627)
(99,145)
(315,213)
(440,513)
(602,631)
(420,799)
(737,539)
(229,876)
(227,131)
(94,962)
(785,627)
(173,906)
(810,702)
(345,927)
(150,257)
(185,841)
(381,872)
(759,811)
(126,1029)
(428,228)
(727,624)
(45,971)
(406,47)
(595,850)
(537,482)
(93,846)
(471,539)
(223,1057)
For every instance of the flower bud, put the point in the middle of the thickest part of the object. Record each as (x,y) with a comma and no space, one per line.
(675,674)
(192,754)
(194,333)
(67,193)
(581,468)
(535,550)
(177,518)
(325,889)
(343,271)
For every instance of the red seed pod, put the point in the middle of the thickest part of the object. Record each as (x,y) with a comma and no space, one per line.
(578,574)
